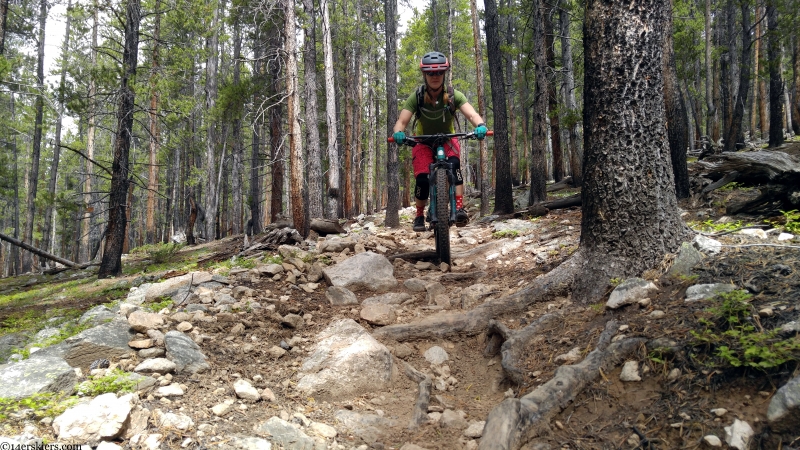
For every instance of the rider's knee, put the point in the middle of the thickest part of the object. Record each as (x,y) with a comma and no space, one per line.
(423,187)
(456,163)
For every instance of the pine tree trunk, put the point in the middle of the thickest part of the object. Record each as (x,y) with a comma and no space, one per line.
(330,112)
(575,154)
(275,137)
(756,67)
(15,266)
(111,265)
(538,192)
(212,135)
(88,232)
(255,223)
(152,180)
(744,83)
(677,121)
(312,127)
(3,24)
(710,85)
(293,112)
(775,83)
(763,116)
(483,171)
(796,90)
(552,99)
(392,164)
(627,174)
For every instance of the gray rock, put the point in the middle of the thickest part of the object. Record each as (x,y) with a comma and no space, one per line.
(10,342)
(314,273)
(630,291)
(284,434)
(183,351)
(246,391)
(369,427)
(242,291)
(44,334)
(416,284)
(106,341)
(784,408)
(335,244)
(36,375)
(475,429)
(340,296)
(101,419)
(170,287)
(390,298)
(196,307)
(433,292)
(170,420)
(224,299)
(366,270)
(453,419)
(739,434)
(436,355)
(292,321)
(630,371)
(97,315)
(687,258)
(156,365)
(244,443)
(520,226)
(270,269)
(473,295)
(345,360)
(707,291)
(378,314)
(142,321)
(706,244)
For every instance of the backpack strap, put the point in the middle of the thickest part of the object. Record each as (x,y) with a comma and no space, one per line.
(451,104)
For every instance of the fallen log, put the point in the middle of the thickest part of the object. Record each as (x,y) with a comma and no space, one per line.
(326,226)
(41,253)
(517,420)
(753,167)
(565,183)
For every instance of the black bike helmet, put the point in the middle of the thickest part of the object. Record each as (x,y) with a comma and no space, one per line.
(434,62)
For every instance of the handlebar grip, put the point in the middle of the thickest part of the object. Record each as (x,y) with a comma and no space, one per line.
(490,133)
(390,139)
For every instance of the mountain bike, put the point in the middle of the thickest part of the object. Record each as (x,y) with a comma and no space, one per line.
(442,205)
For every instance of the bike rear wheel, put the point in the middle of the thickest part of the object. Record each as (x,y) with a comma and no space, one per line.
(442,226)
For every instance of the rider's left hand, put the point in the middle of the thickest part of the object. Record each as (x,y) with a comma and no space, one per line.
(480,131)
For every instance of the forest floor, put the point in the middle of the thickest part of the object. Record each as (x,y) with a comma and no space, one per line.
(671,409)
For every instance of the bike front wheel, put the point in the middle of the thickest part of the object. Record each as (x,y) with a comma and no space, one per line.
(442,227)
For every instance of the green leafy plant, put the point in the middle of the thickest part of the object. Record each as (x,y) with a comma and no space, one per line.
(42,405)
(792,224)
(616,281)
(728,332)
(505,234)
(159,304)
(710,226)
(115,381)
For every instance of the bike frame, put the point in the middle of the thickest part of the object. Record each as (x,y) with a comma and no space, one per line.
(441,164)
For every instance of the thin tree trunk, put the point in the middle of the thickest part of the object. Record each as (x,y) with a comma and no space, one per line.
(212,134)
(255,223)
(111,264)
(538,192)
(756,67)
(33,175)
(277,154)
(796,90)
(744,83)
(775,83)
(15,260)
(726,36)
(3,24)
(763,116)
(552,98)
(575,154)
(710,85)
(237,163)
(677,126)
(87,230)
(293,113)
(330,108)
(483,172)
(155,134)
(312,128)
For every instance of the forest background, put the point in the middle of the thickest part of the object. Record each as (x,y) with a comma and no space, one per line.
(219,117)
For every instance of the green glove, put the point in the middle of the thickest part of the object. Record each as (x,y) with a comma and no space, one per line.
(399,137)
(480,131)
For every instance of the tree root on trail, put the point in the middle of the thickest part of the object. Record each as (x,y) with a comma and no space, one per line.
(555,283)
(420,414)
(515,343)
(517,420)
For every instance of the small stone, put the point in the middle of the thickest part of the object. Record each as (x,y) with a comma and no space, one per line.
(634,440)
(657,314)
(323,430)
(156,365)
(719,412)
(276,352)
(378,314)
(739,434)
(246,391)
(292,321)
(674,374)
(268,395)
(645,302)
(223,408)
(141,343)
(570,357)
(475,429)
(559,425)
(630,371)
(712,441)
(453,419)
(436,355)
(171,390)
(184,327)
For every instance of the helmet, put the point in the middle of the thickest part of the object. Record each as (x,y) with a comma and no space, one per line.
(434,62)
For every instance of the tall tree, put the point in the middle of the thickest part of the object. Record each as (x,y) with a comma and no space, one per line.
(33,174)
(155,133)
(538,192)
(392,163)
(3,24)
(711,110)
(744,82)
(212,134)
(796,90)
(312,130)
(483,172)
(293,113)
(775,83)
(111,265)
(552,98)
(334,196)
(677,120)
(575,154)
(237,149)
(627,173)
(276,134)
(255,223)
(503,200)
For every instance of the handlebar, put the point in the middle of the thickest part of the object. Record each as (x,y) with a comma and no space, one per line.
(423,137)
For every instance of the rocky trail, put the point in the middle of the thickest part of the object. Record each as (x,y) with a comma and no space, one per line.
(293,348)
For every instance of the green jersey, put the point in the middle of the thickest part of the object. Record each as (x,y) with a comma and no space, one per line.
(435,118)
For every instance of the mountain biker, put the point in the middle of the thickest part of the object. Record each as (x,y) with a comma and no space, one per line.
(434,116)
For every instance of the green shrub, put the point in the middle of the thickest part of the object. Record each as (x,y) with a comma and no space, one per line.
(115,381)
(42,405)
(505,234)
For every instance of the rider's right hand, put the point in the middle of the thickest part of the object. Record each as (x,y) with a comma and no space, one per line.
(399,137)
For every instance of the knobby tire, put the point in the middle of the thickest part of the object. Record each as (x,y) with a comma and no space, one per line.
(442,227)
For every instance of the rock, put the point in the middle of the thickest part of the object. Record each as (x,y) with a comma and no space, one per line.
(335,244)
(153,441)
(241,291)
(366,270)
(416,284)
(183,327)
(142,321)
(284,434)
(570,357)
(378,314)
(699,292)
(102,418)
(109,340)
(36,375)
(475,429)
(674,374)
(522,227)
(403,350)
(785,237)
(757,232)
(687,258)
(170,420)
(712,441)
(141,343)
(657,314)
(270,269)
(369,427)
(433,292)
(436,355)
(223,408)
(391,298)
(9,342)
(453,419)
(224,299)
(473,295)
(706,244)
(244,443)
(268,395)
(245,391)
(276,352)
(739,434)
(719,412)
(182,350)
(630,291)
(171,286)
(105,445)
(323,430)
(340,296)
(630,371)
(155,352)
(97,316)
(156,365)
(345,360)
(171,390)
(292,321)
(410,446)
(783,412)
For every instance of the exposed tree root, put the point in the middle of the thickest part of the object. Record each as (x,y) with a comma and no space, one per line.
(420,414)
(515,343)
(517,420)
(544,288)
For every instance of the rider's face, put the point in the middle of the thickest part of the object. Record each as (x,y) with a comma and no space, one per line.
(435,79)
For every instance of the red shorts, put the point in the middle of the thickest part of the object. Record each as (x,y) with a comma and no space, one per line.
(422,156)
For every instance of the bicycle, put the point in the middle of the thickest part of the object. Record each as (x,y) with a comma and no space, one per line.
(443,189)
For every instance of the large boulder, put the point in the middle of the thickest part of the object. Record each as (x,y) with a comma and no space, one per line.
(784,408)
(37,375)
(102,419)
(183,351)
(366,270)
(106,341)
(284,434)
(630,291)
(346,361)
(171,286)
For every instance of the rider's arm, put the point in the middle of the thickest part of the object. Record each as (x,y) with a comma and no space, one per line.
(469,112)
(402,121)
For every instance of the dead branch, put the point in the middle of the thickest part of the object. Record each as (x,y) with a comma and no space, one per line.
(516,343)
(42,253)
(420,414)
(326,226)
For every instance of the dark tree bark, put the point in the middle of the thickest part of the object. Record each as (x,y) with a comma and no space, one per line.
(575,154)
(111,265)
(744,82)
(630,212)
(237,150)
(677,120)
(775,83)
(3,24)
(312,129)
(503,200)
(796,90)
(276,136)
(255,222)
(538,191)
(552,97)
(392,164)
